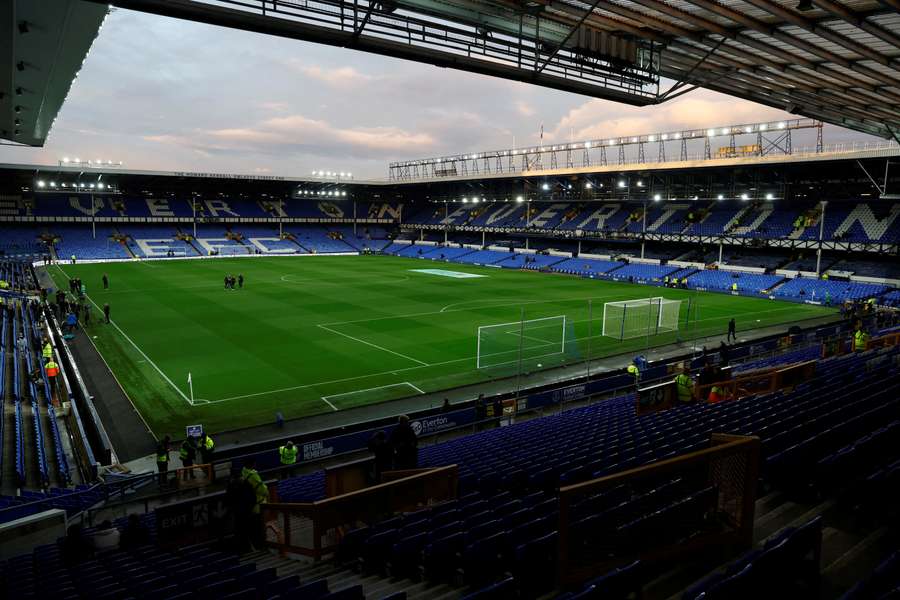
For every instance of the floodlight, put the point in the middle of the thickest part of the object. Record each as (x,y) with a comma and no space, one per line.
(665,136)
(100,186)
(520,199)
(465,200)
(41,183)
(770,196)
(52,184)
(720,197)
(652,138)
(65,159)
(677,135)
(474,200)
(710,132)
(782,125)
(724,131)
(763,127)
(587,144)
(93,186)
(588,185)
(657,197)
(744,196)
(621,183)
(640,183)
(545,187)
(612,142)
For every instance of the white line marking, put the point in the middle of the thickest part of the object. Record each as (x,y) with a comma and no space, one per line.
(414,387)
(325,399)
(346,335)
(380,387)
(136,347)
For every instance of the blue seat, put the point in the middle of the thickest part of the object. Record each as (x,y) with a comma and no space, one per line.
(350,593)
(310,591)
(502,590)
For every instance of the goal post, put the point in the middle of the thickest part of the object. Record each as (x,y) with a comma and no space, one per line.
(531,342)
(630,319)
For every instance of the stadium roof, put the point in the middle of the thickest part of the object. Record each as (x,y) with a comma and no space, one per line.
(834,60)
(41,53)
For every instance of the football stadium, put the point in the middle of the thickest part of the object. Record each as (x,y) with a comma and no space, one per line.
(659,359)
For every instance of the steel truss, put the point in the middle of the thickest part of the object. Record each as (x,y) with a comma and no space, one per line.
(766,139)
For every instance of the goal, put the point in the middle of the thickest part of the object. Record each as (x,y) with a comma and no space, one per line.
(527,341)
(636,318)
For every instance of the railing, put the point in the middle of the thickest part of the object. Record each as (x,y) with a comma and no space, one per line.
(314,528)
(762,382)
(722,515)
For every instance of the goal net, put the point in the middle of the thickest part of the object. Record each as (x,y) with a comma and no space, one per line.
(533,343)
(636,318)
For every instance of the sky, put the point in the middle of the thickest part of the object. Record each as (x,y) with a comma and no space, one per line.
(162,94)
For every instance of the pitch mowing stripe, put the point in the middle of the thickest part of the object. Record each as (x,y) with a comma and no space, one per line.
(136,347)
(356,339)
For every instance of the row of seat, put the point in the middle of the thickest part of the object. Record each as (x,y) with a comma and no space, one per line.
(787,566)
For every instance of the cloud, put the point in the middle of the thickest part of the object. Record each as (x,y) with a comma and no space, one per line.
(341,77)
(599,118)
(274,106)
(524,109)
(298,133)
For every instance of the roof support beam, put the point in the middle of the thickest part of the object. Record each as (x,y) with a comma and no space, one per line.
(839,10)
(822,31)
(794,41)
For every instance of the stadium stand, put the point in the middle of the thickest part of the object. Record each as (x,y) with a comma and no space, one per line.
(803,288)
(722,281)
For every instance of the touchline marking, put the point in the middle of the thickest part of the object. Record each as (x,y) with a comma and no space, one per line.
(136,347)
(346,335)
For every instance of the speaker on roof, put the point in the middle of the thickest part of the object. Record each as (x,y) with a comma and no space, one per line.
(598,43)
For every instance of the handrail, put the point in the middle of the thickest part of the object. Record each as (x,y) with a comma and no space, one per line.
(767,380)
(737,497)
(408,492)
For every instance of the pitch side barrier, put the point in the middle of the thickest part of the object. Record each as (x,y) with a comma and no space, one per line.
(94,440)
(353,438)
(92,261)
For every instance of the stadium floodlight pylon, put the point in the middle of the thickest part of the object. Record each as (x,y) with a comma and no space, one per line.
(526,341)
(630,319)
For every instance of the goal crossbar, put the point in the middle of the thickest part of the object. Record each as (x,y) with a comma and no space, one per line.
(626,319)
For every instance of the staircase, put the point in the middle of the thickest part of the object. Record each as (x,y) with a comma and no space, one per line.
(851,547)
(340,577)
(759,219)
(736,219)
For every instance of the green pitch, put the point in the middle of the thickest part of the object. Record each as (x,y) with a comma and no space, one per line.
(312,334)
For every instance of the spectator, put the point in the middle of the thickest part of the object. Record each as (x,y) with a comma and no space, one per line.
(384,454)
(187,453)
(162,460)
(445,407)
(206,446)
(723,354)
(685,386)
(134,535)
(405,445)
(106,537)
(76,547)
(252,480)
